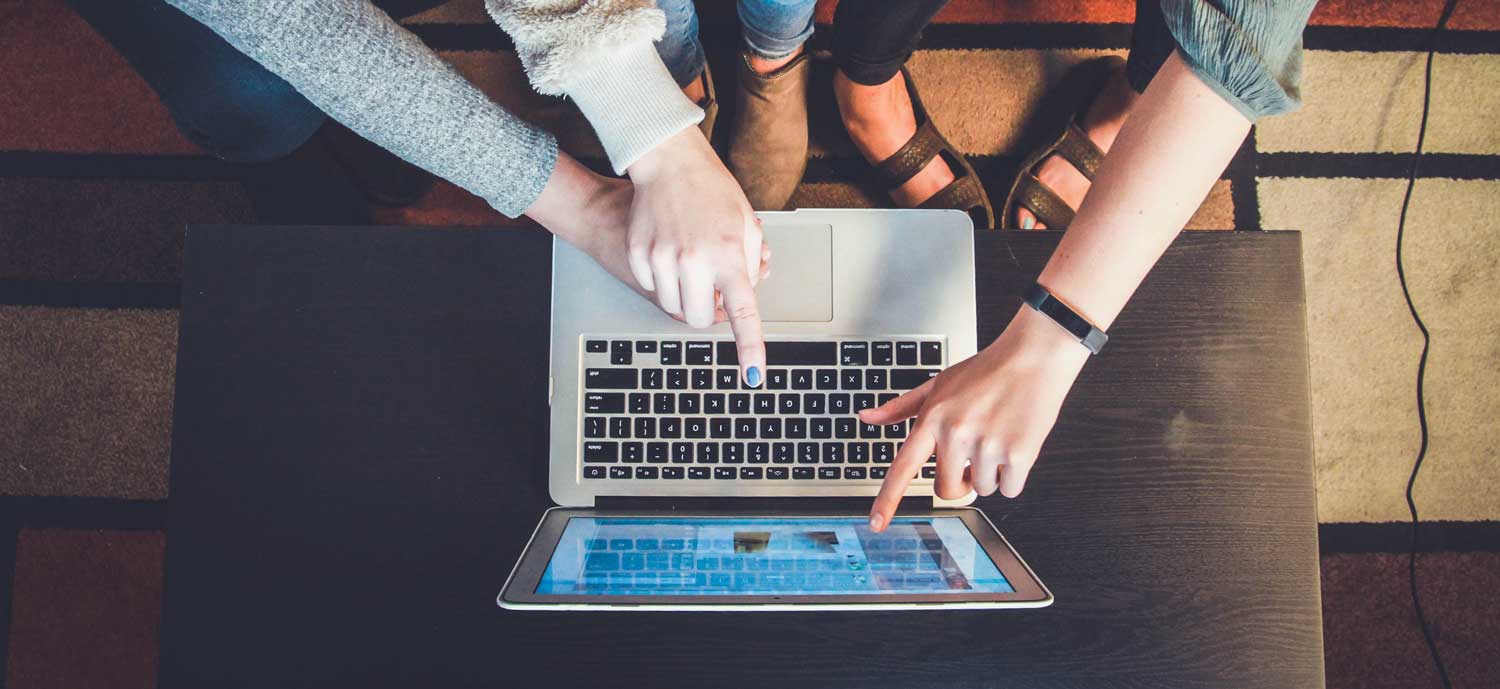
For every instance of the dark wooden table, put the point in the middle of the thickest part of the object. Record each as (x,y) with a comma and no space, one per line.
(360,451)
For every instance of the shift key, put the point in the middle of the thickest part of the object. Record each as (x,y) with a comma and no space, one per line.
(908,378)
(610,378)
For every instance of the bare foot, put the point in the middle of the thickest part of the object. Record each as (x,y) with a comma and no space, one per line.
(880,121)
(695,90)
(1105,116)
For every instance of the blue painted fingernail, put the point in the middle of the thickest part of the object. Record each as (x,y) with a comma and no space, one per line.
(752,376)
(1028,223)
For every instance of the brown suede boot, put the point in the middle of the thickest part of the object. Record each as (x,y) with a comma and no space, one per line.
(768,144)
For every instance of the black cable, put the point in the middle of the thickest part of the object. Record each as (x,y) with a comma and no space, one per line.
(1411,181)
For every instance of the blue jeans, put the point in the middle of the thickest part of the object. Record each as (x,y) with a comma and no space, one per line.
(771,29)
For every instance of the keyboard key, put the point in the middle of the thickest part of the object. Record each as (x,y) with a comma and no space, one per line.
(732,453)
(727,353)
(713,403)
(884,453)
(603,402)
(796,428)
(807,453)
(875,379)
(929,471)
(593,427)
(669,427)
(640,403)
(751,472)
(739,403)
(844,428)
(651,378)
(601,452)
(619,353)
(722,473)
(671,354)
(833,453)
(827,472)
(820,427)
(896,430)
(851,379)
(783,453)
(932,354)
(682,453)
(645,347)
(619,427)
(906,354)
(593,471)
(664,403)
(765,403)
(827,379)
(814,403)
(838,404)
(719,427)
(883,398)
(869,431)
(758,453)
(703,379)
(699,354)
(882,354)
(632,453)
(802,379)
(619,472)
(656,453)
(877,472)
(908,378)
(854,353)
(610,379)
(695,427)
(776,378)
(708,453)
(854,473)
(647,472)
(789,403)
(770,428)
(727,378)
(596,346)
(698,472)
(863,401)
(672,472)
(803,473)
(801,353)
(773,472)
(689,403)
(859,453)
(676,379)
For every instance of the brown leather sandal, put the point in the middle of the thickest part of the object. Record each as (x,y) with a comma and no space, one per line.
(1082,84)
(964,193)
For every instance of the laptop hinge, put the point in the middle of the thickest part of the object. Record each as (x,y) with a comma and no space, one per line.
(849,505)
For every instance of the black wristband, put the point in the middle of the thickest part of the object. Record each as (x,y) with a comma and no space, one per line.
(1037,297)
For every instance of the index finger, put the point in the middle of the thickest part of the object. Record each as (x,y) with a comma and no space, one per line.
(744,319)
(909,460)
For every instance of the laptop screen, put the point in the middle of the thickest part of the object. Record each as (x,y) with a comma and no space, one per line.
(685,556)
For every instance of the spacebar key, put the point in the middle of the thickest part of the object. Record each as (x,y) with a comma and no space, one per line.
(610,378)
(802,353)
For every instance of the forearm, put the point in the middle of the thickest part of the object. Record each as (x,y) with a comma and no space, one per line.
(1180,136)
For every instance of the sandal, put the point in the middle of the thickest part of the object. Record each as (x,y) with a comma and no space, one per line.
(964,193)
(1083,82)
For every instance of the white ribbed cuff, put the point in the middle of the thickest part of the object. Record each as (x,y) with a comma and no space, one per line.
(633,103)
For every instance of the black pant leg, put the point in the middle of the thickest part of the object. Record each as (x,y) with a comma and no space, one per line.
(1151,43)
(872,39)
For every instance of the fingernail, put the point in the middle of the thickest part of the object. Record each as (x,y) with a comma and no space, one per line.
(875,521)
(1028,222)
(752,376)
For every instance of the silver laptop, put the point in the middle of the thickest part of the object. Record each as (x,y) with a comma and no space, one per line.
(649,420)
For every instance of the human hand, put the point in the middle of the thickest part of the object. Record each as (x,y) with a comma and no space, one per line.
(694,241)
(986,416)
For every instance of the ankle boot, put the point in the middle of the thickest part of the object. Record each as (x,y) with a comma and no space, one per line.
(768,144)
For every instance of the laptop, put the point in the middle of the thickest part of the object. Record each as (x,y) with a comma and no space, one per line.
(679,487)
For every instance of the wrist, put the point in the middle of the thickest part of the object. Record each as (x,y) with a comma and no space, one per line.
(673,153)
(1043,340)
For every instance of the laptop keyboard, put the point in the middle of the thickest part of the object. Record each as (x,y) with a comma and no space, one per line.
(674,410)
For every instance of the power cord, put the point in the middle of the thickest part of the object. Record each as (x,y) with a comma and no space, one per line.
(1411,181)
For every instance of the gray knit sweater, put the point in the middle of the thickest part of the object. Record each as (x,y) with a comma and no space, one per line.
(366,71)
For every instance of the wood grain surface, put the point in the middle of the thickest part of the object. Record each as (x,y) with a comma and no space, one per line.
(359,457)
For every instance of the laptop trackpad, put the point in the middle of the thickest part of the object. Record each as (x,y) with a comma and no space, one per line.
(801,284)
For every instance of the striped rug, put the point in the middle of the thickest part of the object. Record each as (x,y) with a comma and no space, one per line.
(96,185)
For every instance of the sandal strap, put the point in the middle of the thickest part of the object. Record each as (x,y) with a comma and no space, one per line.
(905,163)
(965,194)
(1078,149)
(1048,207)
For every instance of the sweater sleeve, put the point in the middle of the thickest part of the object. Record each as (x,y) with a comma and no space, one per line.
(1249,51)
(359,66)
(601,53)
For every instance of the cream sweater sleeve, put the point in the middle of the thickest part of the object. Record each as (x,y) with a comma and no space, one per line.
(601,54)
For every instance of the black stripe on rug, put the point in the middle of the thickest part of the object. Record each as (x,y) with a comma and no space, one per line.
(90,295)
(1244,191)
(1395,537)
(1378,165)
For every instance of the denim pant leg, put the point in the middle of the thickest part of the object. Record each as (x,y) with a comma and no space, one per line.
(679,47)
(1151,43)
(222,100)
(774,29)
